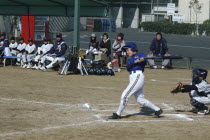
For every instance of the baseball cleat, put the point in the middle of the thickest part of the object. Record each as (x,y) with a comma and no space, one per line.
(163,67)
(153,67)
(203,112)
(114,116)
(28,67)
(25,66)
(158,113)
(44,69)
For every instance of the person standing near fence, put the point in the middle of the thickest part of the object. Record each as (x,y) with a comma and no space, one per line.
(159,48)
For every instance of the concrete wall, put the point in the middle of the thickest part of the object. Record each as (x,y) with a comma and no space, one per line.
(204,15)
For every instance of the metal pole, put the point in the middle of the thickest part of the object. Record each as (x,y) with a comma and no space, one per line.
(76,25)
(151,8)
(157,10)
(110,30)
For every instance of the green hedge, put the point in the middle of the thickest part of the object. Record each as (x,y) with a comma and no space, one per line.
(169,28)
(205,27)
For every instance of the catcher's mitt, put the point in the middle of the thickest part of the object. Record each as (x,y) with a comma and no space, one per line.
(177,89)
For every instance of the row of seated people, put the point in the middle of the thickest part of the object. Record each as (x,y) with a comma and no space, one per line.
(28,52)
(158,47)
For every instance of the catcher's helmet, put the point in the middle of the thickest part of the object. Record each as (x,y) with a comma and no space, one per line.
(200,73)
(196,73)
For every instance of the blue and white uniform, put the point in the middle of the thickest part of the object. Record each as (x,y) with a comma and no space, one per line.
(58,50)
(30,52)
(135,86)
(21,49)
(13,48)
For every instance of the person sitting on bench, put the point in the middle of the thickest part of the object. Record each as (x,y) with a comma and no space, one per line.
(158,48)
(93,47)
(105,45)
(3,44)
(13,46)
(20,50)
(30,52)
(56,53)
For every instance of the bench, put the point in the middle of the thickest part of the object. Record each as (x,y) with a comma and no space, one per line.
(15,57)
(188,59)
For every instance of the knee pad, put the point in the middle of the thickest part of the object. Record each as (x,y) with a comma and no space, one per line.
(197,104)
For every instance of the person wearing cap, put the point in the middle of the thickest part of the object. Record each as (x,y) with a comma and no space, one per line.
(57,52)
(135,66)
(93,46)
(20,50)
(30,51)
(4,43)
(13,46)
(158,47)
(42,52)
(117,47)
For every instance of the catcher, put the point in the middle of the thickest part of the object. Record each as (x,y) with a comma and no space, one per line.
(199,91)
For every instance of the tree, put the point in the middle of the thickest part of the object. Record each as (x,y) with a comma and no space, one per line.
(196,6)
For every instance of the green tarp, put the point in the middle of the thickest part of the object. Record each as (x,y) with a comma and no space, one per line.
(88,8)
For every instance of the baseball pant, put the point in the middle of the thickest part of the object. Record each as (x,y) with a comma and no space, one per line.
(152,61)
(200,99)
(42,58)
(20,55)
(54,61)
(27,58)
(135,87)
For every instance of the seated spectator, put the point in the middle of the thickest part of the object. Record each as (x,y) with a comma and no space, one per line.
(13,46)
(30,52)
(20,50)
(158,48)
(117,47)
(105,45)
(3,44)
(93,47)
(42,53)
(57,52)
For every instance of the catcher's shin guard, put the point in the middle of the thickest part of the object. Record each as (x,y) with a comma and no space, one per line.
(198,105)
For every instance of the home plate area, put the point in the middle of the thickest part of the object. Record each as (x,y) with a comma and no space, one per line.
(137,114)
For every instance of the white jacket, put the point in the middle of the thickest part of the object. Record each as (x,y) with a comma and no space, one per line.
(21,47)
(13,45)
(30,49)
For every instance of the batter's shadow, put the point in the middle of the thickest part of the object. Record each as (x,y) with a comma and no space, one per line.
(143,112)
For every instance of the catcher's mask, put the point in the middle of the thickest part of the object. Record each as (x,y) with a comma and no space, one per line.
(196,73)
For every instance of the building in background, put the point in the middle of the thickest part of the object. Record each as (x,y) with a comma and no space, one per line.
(194,15)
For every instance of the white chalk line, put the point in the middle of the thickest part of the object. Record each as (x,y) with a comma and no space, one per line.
(167,107)
(99,88)
(48,128)
(44,103)
(99,119)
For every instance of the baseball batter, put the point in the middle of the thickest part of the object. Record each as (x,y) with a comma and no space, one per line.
(135,67)
(199,91)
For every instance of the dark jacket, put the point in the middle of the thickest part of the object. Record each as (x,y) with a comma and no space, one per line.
(94,44)
(159,47)
(5,44)
(59,48)
(106,45)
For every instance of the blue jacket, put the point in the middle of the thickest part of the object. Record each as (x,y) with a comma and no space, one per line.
(5,44)
(59,48)
(156,49)
(131,66)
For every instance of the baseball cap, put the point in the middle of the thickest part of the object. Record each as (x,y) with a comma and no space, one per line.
(59,35)
(30,40)
(131,45)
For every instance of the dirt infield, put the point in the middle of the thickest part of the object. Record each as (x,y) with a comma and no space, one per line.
(37,105)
